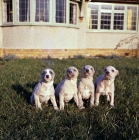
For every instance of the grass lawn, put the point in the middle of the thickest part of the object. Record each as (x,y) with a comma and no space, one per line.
(20,120)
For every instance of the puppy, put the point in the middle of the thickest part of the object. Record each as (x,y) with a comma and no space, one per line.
(86,86)
(67,89)
(44,90)
(104,85)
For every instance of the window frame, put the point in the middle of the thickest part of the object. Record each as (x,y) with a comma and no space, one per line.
(2,10)
(112,17)
(32,15)
(71,2)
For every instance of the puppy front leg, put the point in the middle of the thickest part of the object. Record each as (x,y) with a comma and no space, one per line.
(61,101)
(37,101)
(80,101)
(52,98)
(112,99)
(97,99)
(76,99)
(108,98)
(92,99)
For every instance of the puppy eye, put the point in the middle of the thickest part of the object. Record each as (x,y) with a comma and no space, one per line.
(43,73)
(51,72)
(112,70)
(91,68)
(74,69)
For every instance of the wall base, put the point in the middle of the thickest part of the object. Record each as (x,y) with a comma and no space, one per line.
(66,53)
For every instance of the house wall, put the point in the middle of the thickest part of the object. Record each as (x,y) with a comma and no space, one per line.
(63,42)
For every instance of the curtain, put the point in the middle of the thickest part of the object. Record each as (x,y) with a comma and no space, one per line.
(89,20)
(47,11)
(129,19)
(28,10)
(17,10)
(74,13)
(4,11)
(64,16)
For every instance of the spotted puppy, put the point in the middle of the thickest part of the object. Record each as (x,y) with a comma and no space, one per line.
(67,89)
(86,86)
(104,85)
(44,90)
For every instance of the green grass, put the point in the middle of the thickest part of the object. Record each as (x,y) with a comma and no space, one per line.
(20,120)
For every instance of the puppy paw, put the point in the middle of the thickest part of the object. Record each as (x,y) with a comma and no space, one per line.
(66,103)
(40,108)
(91,105)
(112,106)
(56,108)
(81,107)
(61,108)
(96,104)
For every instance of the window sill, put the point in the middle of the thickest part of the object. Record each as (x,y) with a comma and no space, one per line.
(40,24)
(110,31)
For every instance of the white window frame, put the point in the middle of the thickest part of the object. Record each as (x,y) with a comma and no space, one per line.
(51,15)
(112,11)
(76,12)
(4,14)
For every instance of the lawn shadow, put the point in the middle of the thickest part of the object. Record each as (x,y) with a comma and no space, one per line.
(22,90)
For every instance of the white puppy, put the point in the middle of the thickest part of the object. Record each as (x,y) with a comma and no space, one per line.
(44,90)
(86,86)
(67,89)
(104,85)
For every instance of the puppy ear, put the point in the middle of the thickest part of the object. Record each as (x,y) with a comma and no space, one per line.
(117,72)
(52,73)
(43,72)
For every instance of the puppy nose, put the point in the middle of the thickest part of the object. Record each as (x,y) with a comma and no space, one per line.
(47,76)
(70,71)
(87,70)
(107,72)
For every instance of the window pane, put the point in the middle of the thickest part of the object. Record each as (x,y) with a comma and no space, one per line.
(7,11)
(131,18)
(92,16)
(118,21)
(42,10)
(105,21)
(61,11)
(23,10)
(73,13)
(117,7)
(106,7)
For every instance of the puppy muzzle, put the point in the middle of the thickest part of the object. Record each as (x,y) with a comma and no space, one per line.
(47,76)
(86,72)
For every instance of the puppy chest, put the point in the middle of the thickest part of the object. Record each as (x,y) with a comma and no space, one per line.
(44,98)
(67,97)
(44,90)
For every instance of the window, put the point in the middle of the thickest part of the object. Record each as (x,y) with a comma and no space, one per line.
(7,11)
(73,13)
(23,10)
(131,17)
(40,12)
(60,11)
(112,17)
